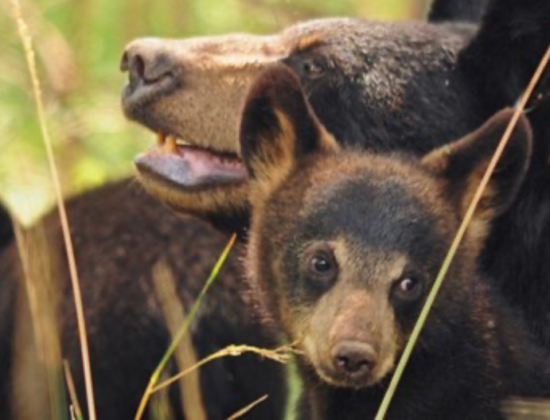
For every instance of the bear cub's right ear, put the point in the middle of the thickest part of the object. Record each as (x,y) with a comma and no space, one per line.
(463,163)
(278,127)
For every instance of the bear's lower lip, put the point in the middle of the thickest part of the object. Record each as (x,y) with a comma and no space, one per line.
(189,167)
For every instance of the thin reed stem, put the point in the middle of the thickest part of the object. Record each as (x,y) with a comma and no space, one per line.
(458,239)
(279,355)
(185,354)
(72,390)
(183,330)
(26,40)
(249,407)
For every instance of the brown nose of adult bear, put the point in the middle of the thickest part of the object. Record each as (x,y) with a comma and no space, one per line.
(353,359)
(151,70)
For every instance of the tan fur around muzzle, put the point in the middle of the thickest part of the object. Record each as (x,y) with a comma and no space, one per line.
(202,100)
(213,76)
(356,317)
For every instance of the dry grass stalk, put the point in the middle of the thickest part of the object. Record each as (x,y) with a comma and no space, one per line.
(280,354)
(160,407)
(76,411)
(526,409)
(174,313)
(37,364)
(459,236)
(249,407)
(182,331)
(37,92)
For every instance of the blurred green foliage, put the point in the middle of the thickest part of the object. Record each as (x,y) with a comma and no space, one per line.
(78,45)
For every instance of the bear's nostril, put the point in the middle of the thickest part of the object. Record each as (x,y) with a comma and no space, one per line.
(151,70)
(355,358)
(342,362)
(364,364)
(137,70)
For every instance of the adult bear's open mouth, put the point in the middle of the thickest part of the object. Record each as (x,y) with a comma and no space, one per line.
(196,180)
(192,92)
(183,165)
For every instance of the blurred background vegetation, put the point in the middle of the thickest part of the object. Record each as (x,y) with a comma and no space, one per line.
(79,44)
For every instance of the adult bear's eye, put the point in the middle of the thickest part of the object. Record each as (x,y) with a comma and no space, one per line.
(312,69)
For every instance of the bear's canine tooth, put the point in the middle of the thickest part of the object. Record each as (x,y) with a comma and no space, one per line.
(170,145)
(161,139)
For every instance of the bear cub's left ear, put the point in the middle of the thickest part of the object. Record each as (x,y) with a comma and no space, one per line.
(462,164)
(278,126)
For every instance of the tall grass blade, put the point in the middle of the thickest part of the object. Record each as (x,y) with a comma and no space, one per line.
(280,355)
(458,238)
(249,407)
(37,92)
(295,387)
(183,330)
(174,313)
(76,411)
(37,383)
(525,409)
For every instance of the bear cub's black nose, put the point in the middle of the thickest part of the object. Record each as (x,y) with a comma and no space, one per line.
(353,358)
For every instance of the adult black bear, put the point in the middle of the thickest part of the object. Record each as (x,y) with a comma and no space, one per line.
(120,235)
(345,246)
(376,86)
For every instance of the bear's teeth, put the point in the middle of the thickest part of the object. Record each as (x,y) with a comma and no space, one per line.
(167,143)
(161,139)
(181,142)
(170,145)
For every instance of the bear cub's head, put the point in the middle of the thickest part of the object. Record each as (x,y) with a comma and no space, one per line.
(345,245)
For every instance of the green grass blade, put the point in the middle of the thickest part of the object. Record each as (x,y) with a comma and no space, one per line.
(183,330)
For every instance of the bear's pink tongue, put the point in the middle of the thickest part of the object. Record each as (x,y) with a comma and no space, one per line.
(189,166)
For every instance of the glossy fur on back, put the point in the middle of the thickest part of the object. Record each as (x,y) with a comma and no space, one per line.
(344,247)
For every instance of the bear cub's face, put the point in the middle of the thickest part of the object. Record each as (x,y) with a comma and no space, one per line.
(344,246)
(357,254)
(366,243)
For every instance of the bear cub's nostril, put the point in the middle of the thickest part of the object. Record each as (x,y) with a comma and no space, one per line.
(352,365)
(355,358)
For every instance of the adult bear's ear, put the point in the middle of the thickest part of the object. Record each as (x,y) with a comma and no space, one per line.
(462,164)
(278,127)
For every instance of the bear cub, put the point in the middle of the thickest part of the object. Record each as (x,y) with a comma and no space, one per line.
(345,246)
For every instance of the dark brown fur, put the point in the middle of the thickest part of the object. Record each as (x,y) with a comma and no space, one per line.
(382,223)
(127,330)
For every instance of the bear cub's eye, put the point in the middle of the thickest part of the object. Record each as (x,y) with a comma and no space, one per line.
(408,288)
(321,265)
